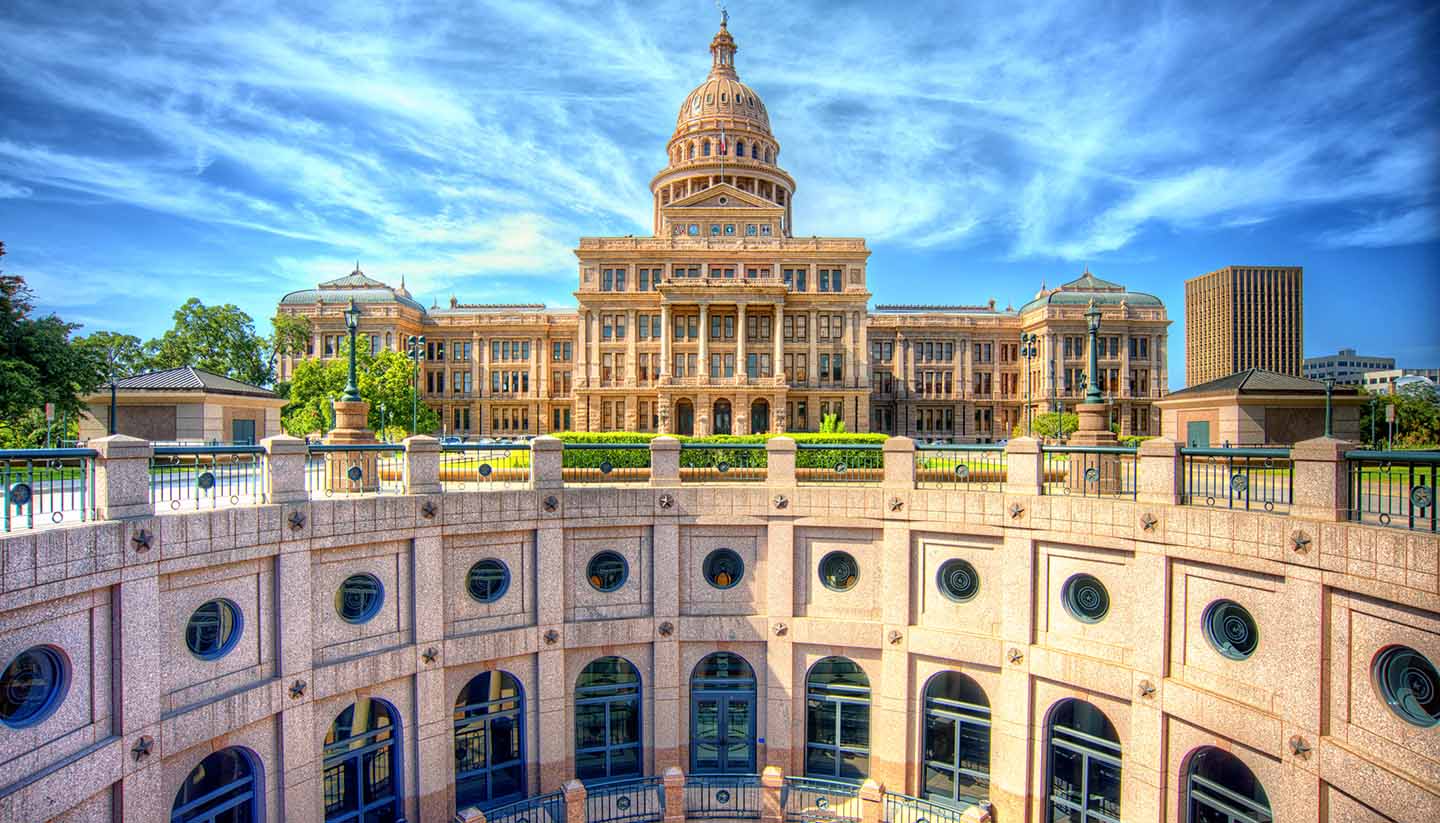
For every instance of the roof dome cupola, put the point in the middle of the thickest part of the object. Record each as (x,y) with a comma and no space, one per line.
(722,51)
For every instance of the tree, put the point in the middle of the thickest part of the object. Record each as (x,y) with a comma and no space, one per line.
(382,378)
(290,334)
(1051,424)
(1417,418)
(39,363)
(832,424)
(219,339)
(119,355)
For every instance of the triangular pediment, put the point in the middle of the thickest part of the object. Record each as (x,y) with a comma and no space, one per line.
(723,196)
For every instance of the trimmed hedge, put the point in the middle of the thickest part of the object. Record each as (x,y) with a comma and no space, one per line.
(703,458)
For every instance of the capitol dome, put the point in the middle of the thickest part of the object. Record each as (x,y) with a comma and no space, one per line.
(722,94)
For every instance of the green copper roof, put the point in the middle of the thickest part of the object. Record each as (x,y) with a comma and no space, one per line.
(1088,287)
(356,286)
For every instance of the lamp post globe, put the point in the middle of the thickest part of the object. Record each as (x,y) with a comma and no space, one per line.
(352,322)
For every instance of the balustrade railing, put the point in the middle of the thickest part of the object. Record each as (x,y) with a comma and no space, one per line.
(57,485)
(1090,471)
(812,800)
(902,808)
(542,808)
(1393,488)
(839,462)
(722,462)
(638,800)
(606,463)
(722,797)
(979,466)
(473,466)
(367,468)
(1237,478)
(192,477)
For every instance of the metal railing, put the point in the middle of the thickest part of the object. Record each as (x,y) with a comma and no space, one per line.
(56,484)
(839,462)
(1090,471)
(1393,488)
(542,808)
(1237,478)
(722,797)
(368,468)
(207,476)
(473,466)
(810,800)
(902,808)
(979,466)
(722,462)
(636,800)
(605,463)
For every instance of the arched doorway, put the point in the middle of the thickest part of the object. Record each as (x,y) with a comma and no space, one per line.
(362,767)
(489,741)
(721,417)
(684,417)
(837,720)
(607,720)
(759,417)
(722,715)
(1083,763)
(957,740)
(1222,788)
(220,789)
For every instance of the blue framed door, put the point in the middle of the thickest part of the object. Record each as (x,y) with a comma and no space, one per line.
(722,733)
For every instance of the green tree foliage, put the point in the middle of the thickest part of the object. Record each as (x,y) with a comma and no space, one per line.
(1051,424)
(219,339)
(39,363)
(832,424)
(1417,418)
(119,355)
(383,378)
(289,334)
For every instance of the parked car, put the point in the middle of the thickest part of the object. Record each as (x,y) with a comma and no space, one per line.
(451,440)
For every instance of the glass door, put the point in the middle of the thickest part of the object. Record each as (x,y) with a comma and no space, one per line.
(722,733)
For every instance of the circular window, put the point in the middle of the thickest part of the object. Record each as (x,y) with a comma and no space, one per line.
(839,571)
(1085,598)
(1231,629)
(1410,685)
(724,568)
(488,580)
(958,580)
(723,200)
(607,571)
(359,598)
(32,686)
(213,630)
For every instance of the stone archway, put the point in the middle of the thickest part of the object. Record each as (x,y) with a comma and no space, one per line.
(684,417)
(760,416)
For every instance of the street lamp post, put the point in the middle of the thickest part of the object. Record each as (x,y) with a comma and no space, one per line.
(382,423)
(1028,350)
(1374,407)
(1092,387)
(416,348)
(352,322)
(1329,389)
(112,405)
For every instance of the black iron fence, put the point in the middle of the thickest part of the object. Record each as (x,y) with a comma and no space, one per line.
(902,808)
(542,808)
(51,485)
(1090,471)
(811,800)
(473,466)
(639,800)
(1237,478)
(192,477)
(722,462)
(839,462)
(606,463)
(722,797)
(979,466)
(367,468)
(1393,488)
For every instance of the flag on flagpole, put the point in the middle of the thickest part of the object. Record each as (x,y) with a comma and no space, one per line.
(724,148)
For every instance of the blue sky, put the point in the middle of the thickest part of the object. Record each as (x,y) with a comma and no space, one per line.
(235,151)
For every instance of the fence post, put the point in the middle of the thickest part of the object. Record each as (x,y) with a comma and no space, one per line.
(469,814)
(772,780)
(1161,471)
(664,461)
(1024,466)
(979,813)
(780,461)
(285,458)
(547,455)
(1321,484)
(674,788)
(422,464)
(899,453)
(872,801)
(575,811)
(122,477)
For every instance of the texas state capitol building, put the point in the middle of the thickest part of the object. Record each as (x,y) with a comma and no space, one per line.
(724,322)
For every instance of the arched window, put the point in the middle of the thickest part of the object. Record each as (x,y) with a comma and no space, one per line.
(607,720)
(705,148)
(1224,790)
(722,715)
(739,148)
(1084,764)
(720,417)
(837,720)
(767,154)
(692,151)
(489,741)
(362,765)
(222,788)
(957,740)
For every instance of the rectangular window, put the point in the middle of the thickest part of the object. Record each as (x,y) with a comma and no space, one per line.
(606,327)
(729,327)
(824,368)
(692,327)
(607,280)
(620,280)
(714,327)
(642,327)
(619,331)
(837,364)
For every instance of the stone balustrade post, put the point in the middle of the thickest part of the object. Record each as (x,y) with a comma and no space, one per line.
(664,461)
(469,814)
(872,801)
(674,795)
(122,477)
(575,811)
(1161,473)
(772,780)
(1321,486)
(547,456)
(780,461)
(1024,466)
(899,454)
(285,458)
(978,813)
(422,464)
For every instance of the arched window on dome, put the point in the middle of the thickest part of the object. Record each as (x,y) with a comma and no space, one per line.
(704,148)
(739,148)
(767,154)
(692,151)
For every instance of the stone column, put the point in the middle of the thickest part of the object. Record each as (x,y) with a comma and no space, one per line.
(546,458)
(872,801)
(1161,472)
(575,811)
(772,780)
(740,369)
(664,461)
(139,662)
(704,339)
(899,454)
(674,795)
(122,477)
(594,365)
(1321,488)
(665,335)
(352,428)
(582,350)
(778,366)
(422,465)
(813,334)
(632,369)
(1024,466)
(780,461)
(434,731)
(285,458)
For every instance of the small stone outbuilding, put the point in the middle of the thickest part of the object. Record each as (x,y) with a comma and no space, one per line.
(1256,407)
(186,405)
